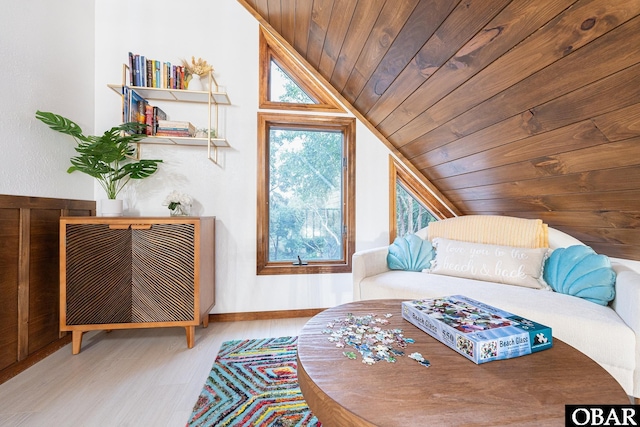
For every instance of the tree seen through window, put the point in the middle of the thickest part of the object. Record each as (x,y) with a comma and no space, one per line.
(305,194)
(411,215)
(283,89)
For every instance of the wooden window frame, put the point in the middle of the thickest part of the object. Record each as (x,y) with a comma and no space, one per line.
(345,125)
(270,50)
(398,173)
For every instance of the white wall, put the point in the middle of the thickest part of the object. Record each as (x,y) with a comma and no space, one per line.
(226,35)
(47,57)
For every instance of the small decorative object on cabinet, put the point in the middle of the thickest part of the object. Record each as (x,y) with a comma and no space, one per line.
(135,272)
(136,107)
(179,204)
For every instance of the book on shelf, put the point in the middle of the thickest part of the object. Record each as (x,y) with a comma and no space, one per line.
(158,114)
(478,331)
(156,74)
(149,70)
(142,79)
(148,115)
(137,108)
(175,124)
(126,93)
(132,68)
(174,133)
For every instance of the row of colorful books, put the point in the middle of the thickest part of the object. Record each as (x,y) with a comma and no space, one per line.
(138,110)
(146,72)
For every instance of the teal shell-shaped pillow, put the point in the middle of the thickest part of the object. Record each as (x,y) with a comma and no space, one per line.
(579,271)
(410,253)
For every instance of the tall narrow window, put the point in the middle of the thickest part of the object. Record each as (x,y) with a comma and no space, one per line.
(306,170)
(305,193)
(412,206)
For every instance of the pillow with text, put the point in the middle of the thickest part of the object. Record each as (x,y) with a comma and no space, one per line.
(510,265)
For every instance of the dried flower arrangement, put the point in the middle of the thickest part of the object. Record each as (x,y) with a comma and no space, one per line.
(199,67)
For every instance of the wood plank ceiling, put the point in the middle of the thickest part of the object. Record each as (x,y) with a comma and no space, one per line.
(529,108)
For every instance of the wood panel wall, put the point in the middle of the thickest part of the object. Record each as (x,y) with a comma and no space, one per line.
(29,276)
(529,108)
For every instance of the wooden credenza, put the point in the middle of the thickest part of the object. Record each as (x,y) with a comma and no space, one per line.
(136,272)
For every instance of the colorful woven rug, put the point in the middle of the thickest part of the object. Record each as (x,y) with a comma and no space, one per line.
(253,383)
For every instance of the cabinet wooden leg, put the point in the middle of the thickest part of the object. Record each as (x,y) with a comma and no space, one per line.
(191,335)
(205,320)
(76,341)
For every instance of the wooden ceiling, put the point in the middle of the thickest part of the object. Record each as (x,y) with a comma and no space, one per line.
(529,108)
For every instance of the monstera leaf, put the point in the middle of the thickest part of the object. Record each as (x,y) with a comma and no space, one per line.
(410,253)
(579,271)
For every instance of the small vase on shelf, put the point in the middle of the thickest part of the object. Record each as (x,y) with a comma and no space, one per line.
(195,83)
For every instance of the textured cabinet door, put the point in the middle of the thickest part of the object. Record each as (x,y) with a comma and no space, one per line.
(136,272)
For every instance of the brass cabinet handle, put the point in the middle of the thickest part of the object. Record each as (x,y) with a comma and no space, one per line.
(141,226)
(132,226)
(119,226)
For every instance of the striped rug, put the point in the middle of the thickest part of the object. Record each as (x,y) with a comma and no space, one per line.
(253,383)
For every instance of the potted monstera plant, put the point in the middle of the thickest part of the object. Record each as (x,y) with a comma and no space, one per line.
(109,158)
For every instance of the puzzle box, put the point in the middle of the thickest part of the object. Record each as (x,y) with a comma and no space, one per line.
(478,331)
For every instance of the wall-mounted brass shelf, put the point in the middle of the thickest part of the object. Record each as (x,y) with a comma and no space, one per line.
(213,98)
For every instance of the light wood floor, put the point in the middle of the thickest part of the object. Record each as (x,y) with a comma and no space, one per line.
(141,377)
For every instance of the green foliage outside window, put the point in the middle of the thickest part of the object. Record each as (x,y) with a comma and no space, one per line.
(411,215)
(283,89)
(305,194)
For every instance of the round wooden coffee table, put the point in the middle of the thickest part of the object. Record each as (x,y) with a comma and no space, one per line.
(527,390)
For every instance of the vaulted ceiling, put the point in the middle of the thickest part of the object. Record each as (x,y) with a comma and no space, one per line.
(528,108)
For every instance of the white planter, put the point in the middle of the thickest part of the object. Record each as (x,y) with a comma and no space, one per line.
(111,207)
